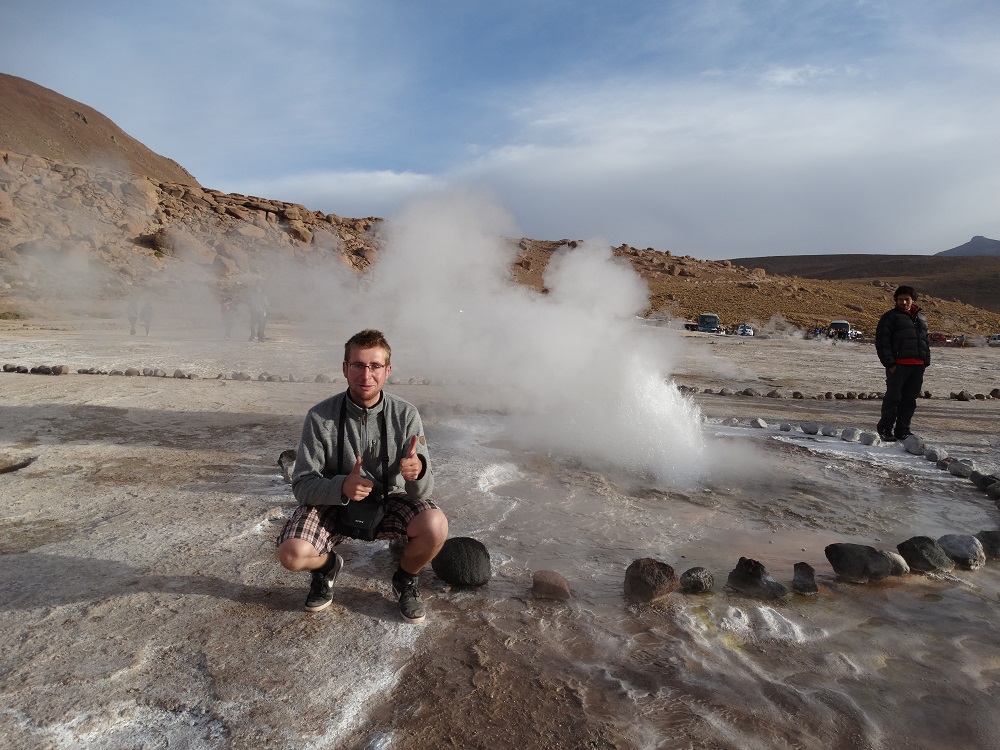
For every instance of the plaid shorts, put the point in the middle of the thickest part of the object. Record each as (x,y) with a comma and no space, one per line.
(316,523)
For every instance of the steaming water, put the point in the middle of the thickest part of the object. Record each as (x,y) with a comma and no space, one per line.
(910,662)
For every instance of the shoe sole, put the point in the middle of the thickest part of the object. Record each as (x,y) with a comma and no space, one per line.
(411,620)
(336,572)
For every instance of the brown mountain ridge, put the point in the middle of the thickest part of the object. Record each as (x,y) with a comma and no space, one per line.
(89,216)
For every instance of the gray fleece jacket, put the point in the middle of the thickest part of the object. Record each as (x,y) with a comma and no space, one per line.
(316,478)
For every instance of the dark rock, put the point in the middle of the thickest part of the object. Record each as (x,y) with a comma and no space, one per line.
(982,481)
(994,491)
(944,463)
(131,372)
(547,584)
(991,543)
(726,392)
(925,555)
(751,392)
(60,370)
(750,578)
(809,428)
(758,422)
(180,374)
(647,580)
(963,467)
(858,562)
(965,549)
(463,561)
(850,435)
(964,396)
(804,581)
(697,581)
(935,454)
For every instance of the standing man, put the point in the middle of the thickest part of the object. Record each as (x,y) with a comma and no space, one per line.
(383,454)
(258,313)
(904,349)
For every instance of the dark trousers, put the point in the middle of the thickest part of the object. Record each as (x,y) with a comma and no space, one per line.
(902,388)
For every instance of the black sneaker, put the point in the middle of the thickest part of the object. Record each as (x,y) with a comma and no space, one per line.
(321,590)
(886,437)
(902,435)
(411,607)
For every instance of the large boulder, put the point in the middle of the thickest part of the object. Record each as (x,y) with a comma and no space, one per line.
(859,563)
(463,561)
(647,580)
(925,555)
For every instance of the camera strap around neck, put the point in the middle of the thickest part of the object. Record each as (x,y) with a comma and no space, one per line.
(341,429)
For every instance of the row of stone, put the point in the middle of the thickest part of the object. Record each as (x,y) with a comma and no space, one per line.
(914,444)
(963,395)
(156,372)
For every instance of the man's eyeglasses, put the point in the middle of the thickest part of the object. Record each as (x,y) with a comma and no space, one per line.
(374,368)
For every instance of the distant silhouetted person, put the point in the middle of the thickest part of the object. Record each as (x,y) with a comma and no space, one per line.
(228,316)
(146,315)
(132,312)
(258,313)
(904,348)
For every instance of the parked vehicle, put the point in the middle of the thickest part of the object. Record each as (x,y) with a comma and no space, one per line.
(939,338)
(839,329)
(993,340)
(745,329)
(709,323)
(690,325)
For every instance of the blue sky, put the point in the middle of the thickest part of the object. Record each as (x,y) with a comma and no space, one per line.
(715,129)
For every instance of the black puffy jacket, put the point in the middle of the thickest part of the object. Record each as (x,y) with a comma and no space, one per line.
(902,336)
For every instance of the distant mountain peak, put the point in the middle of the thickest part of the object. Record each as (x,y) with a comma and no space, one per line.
(978,245)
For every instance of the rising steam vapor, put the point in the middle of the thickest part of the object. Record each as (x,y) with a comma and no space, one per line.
(570,365)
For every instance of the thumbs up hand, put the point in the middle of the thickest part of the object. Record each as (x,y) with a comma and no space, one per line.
(356,487)
(410,464)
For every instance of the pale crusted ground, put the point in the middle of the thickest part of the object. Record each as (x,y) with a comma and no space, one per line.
(139,602)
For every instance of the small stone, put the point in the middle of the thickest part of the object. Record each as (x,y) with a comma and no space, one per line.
(647,580)
(750,578)
(914,444)
(696,581)
(850,435)
(547,584)
(925,555)
(463,561)
(804,580)
(758,422)
(965,549)
(991,543)
(962,468)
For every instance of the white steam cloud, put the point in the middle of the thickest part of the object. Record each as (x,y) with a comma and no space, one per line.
(571,365)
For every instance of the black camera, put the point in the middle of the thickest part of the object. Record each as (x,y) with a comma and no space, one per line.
(360,519)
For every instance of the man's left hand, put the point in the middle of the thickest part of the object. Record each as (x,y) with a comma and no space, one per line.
(410,464)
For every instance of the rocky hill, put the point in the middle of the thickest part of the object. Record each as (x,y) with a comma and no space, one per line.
(748,290)
(978,245)
(89,216)
(36,120)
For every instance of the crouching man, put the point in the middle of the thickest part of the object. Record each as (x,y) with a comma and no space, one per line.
(359,446)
